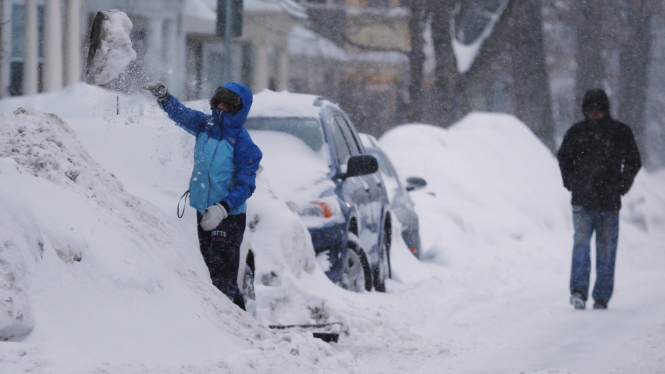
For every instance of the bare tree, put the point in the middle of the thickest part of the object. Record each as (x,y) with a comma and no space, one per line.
(417,22)
(533,100)
(633,66)
(590,64)
(499,64)
(447,89)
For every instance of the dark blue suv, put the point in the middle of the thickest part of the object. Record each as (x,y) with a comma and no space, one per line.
(314,158)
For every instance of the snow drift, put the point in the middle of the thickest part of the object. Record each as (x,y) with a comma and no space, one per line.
(490,181)
(93,272)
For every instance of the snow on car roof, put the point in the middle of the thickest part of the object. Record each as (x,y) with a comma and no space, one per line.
(284,104)
(368,140)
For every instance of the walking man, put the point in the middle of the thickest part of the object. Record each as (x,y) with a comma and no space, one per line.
(225,165)
(598,160)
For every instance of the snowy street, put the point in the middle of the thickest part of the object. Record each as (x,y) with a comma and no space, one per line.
(120,287)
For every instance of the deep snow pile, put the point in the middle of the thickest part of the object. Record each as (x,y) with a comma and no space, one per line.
(290,286)
(93,273)
(111,50)
(490,180)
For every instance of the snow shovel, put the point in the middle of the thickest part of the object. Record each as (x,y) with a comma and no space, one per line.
(110,50)
(327,335)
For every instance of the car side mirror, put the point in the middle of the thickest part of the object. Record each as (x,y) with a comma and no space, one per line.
(361,165)
(415,183)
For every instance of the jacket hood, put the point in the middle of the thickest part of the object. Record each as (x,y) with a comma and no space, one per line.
(596,100)
(237,120)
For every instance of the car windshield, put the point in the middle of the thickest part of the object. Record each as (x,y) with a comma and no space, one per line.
(306,129)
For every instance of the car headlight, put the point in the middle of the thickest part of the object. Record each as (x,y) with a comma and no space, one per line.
(317,208)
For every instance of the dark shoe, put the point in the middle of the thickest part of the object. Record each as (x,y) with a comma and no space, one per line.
(599,305)
(578,301)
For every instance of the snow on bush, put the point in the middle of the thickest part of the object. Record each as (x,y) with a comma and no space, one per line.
(115,50)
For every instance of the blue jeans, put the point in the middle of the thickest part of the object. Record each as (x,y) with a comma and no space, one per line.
(606,226)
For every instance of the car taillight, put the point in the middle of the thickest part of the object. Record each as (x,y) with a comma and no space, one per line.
(413,249)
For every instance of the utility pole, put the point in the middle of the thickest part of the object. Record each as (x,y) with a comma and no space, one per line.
(227,43)
(229,25)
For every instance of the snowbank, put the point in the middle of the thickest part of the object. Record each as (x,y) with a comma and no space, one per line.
(490,181)
(85,101)
(92,274)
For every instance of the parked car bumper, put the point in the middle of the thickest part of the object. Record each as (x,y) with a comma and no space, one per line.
(332,238)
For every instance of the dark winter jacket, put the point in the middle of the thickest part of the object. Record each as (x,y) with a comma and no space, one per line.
(599,160)
(225,158)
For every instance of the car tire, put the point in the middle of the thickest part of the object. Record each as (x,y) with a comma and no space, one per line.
(247,289)
(357,275)
(382,270)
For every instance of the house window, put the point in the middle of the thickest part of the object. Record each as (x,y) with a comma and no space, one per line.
(17,51)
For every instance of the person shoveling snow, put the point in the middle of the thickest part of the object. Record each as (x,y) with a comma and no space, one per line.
(224,177)
(110,47)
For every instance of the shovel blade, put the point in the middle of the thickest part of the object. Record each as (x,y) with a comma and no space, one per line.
(95,43)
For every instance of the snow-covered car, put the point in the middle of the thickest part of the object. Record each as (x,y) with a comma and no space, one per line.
(313,157)
(246,272)
(398,194)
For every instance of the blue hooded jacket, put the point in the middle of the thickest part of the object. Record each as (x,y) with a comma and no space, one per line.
(225,157)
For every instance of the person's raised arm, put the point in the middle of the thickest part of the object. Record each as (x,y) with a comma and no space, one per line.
(189,119)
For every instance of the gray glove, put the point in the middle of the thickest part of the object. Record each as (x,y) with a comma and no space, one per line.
(213,216)
(159,90)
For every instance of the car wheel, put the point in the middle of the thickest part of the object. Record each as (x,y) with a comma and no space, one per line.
(357,274)
(382,270)
(247,289)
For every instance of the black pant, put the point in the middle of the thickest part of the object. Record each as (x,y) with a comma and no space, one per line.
(221,252)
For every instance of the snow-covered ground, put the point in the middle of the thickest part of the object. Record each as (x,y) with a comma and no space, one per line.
(102,276)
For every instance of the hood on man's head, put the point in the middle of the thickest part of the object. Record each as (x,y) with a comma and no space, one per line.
(237,119)
(229,98)
(596,100)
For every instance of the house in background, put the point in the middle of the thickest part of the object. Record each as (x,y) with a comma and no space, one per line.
(374,38)
(175,42)
(307,46)
(317,64)
(259,58)
(41,44)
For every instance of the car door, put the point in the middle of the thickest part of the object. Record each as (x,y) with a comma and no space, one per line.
(352,189)
(370,206)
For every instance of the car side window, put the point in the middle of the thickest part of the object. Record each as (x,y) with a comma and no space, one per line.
(351,138)
(342,149)
(384,167)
